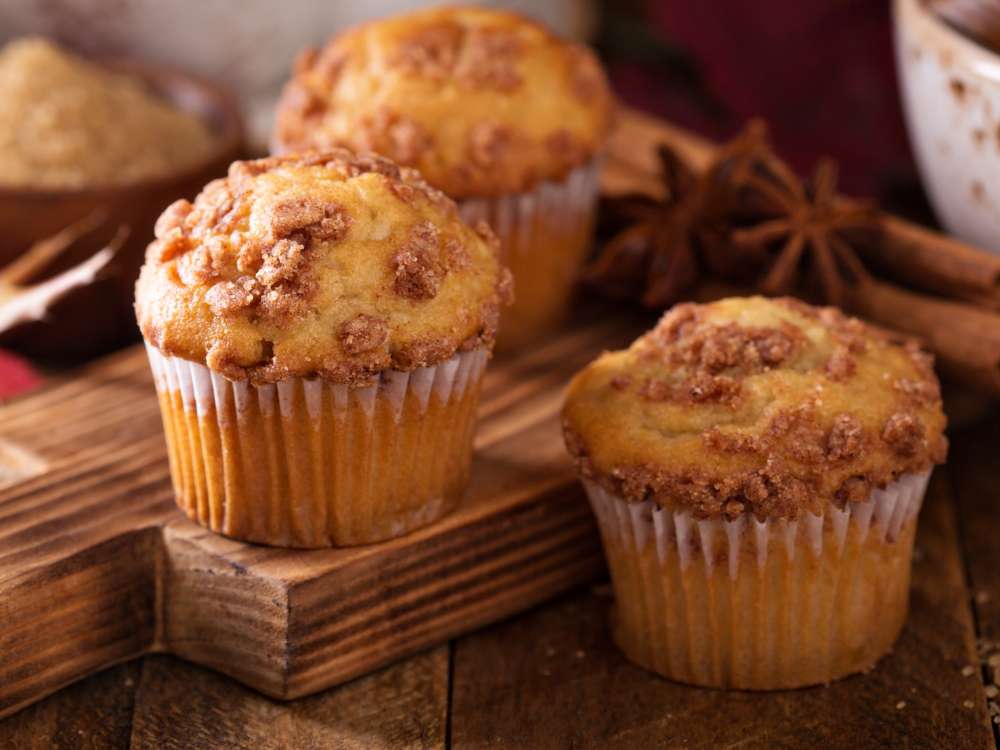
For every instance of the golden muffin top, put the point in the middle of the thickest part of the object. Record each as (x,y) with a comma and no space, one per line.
(482,102)
(326,264)
(750,404)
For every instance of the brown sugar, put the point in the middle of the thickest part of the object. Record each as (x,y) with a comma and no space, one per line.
(68,123)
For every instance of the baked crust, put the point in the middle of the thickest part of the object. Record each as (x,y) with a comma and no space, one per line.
(326,264)
(482,102)
(767,406)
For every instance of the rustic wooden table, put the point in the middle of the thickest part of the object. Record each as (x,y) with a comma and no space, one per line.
(551,678)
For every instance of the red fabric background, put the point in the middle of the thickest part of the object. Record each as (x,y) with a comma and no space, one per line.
(16,376)
(821,72)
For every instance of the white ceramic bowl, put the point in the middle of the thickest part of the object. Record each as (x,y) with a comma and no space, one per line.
(951,96)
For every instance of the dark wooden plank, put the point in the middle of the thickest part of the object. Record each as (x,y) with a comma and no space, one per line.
(975,473)
(180,706)
(91,610)
(95,713)
(553,679)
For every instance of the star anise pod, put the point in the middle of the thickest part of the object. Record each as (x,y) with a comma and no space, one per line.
(788,226)
(650,254)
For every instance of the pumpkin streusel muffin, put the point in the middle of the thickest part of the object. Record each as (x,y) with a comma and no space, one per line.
(494,110)
(756,468)
(317,327)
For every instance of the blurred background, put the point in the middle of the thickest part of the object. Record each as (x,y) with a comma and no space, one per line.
(820,71)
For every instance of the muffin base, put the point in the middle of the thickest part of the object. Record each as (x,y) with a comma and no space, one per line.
(307,463)
(760,605)
(545,235)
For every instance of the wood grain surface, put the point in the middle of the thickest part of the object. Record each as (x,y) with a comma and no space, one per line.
(553,679)
(547,678)
(97,566)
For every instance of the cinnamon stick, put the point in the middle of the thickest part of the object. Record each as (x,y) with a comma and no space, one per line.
(906,252)
(933,262)
(964,339)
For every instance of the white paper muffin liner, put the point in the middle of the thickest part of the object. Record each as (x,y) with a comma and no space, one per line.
(545,234)
(693,540)
(760,605)
(312,463)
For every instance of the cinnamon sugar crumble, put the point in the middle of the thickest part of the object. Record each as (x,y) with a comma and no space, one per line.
(920,391)
(286,301)
(853,490)
(489,59)
(794,454)
(203,264)
(421,353)
(172,219)
(904,432)
(415,266)
(796,432)
(410,186)
(456,255)
(478,58)
(845,439)
(398,136)
(709,360)
(305,102)
(260,250)
(363,333)
(498,57)
(728,442)
(312,217)
(281,262)
(212,211)
(170,246)
(229,296)
(717,348)
(699,388)
(487,143)
(431,52)
(841,364)
(621,382)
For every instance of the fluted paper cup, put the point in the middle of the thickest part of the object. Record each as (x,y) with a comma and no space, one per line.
(545,235)
(760,605)
(311,463)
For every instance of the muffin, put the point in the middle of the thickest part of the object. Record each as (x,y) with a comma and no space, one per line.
(317,327)
(494,110)
(756,468)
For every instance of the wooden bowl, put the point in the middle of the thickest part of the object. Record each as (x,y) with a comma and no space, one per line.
(98,318)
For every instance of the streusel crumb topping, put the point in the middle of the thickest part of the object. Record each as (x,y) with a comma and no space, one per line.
(483,102)
(767,406)
(327,264)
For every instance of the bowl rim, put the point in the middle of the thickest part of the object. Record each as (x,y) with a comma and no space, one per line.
(229,132)
(979,60)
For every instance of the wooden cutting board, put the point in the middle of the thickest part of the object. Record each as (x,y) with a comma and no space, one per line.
(98,566)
